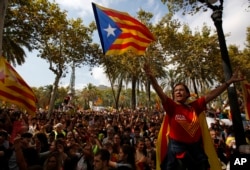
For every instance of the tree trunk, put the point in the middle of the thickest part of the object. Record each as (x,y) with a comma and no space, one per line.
(118,93)
(3,7)
(53,96)
(195,87)
(133,100)
(148,89)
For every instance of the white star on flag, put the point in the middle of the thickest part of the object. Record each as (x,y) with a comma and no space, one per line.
(110,31)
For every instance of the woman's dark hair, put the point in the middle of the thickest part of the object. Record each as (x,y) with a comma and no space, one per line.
(184,85)
(58,160)
(44,141)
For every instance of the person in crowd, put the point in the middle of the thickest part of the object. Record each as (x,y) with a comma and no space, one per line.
(116,143)
(150,152)
(51,137)
(41,142)
(113,155)
(3,150)
(185,150)
(53,162)
(219,145)
(140,155)
(126,159)
(73,156)
(23,154)
(110,135)
(101,160)
(136,136)
(33,128)
(125,136)
(58,130)
(70,138)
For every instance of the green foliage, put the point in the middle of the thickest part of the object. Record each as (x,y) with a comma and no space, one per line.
(186,6)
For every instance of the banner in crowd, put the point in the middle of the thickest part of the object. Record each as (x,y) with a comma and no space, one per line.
(246,97)
(119,32)
(14,89)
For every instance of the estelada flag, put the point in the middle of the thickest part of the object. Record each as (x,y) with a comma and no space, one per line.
(119,32)
(14,89)
(246,98)
(162,143)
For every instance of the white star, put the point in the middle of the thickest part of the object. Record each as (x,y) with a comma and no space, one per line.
(110,31)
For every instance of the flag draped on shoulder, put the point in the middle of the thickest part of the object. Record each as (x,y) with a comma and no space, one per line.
(119,32)
(246,98)
(162,143)
(14,89)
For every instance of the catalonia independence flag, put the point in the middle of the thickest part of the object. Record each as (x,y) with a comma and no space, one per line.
(14,89)
(246,97)
(162,143)
(119,32)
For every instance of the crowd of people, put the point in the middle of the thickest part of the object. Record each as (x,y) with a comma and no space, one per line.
(88,140)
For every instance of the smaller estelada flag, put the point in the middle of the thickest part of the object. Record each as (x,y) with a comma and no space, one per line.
(14,89)
(246,97)
(119,32)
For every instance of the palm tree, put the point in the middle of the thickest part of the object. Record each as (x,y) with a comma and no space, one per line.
(90,94)
(15,34)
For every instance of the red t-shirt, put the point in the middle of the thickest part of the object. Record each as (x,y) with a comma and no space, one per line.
(183,120)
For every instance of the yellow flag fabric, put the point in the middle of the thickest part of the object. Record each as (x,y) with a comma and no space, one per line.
(14,89)
(246,97)
(162,142)
(208,144)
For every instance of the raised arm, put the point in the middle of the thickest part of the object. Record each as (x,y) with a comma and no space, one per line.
(216,92)
(154,83)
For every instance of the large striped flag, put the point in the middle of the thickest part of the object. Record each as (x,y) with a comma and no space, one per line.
(14,89)
(246,97)
(119,32)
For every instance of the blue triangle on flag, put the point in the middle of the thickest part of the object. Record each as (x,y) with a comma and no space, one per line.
(108,30)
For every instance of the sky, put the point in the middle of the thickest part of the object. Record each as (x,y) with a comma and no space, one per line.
(36,73)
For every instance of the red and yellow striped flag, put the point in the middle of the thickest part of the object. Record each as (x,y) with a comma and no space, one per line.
(119,32)
(14,89)
(246,97)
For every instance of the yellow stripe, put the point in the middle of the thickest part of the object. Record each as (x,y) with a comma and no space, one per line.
(119,52)
(130,39)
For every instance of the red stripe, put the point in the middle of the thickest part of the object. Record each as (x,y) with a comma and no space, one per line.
(22,92)
(20,80)
(122,16)
(17,99)
(125,45)
(138,25)
(129,35)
